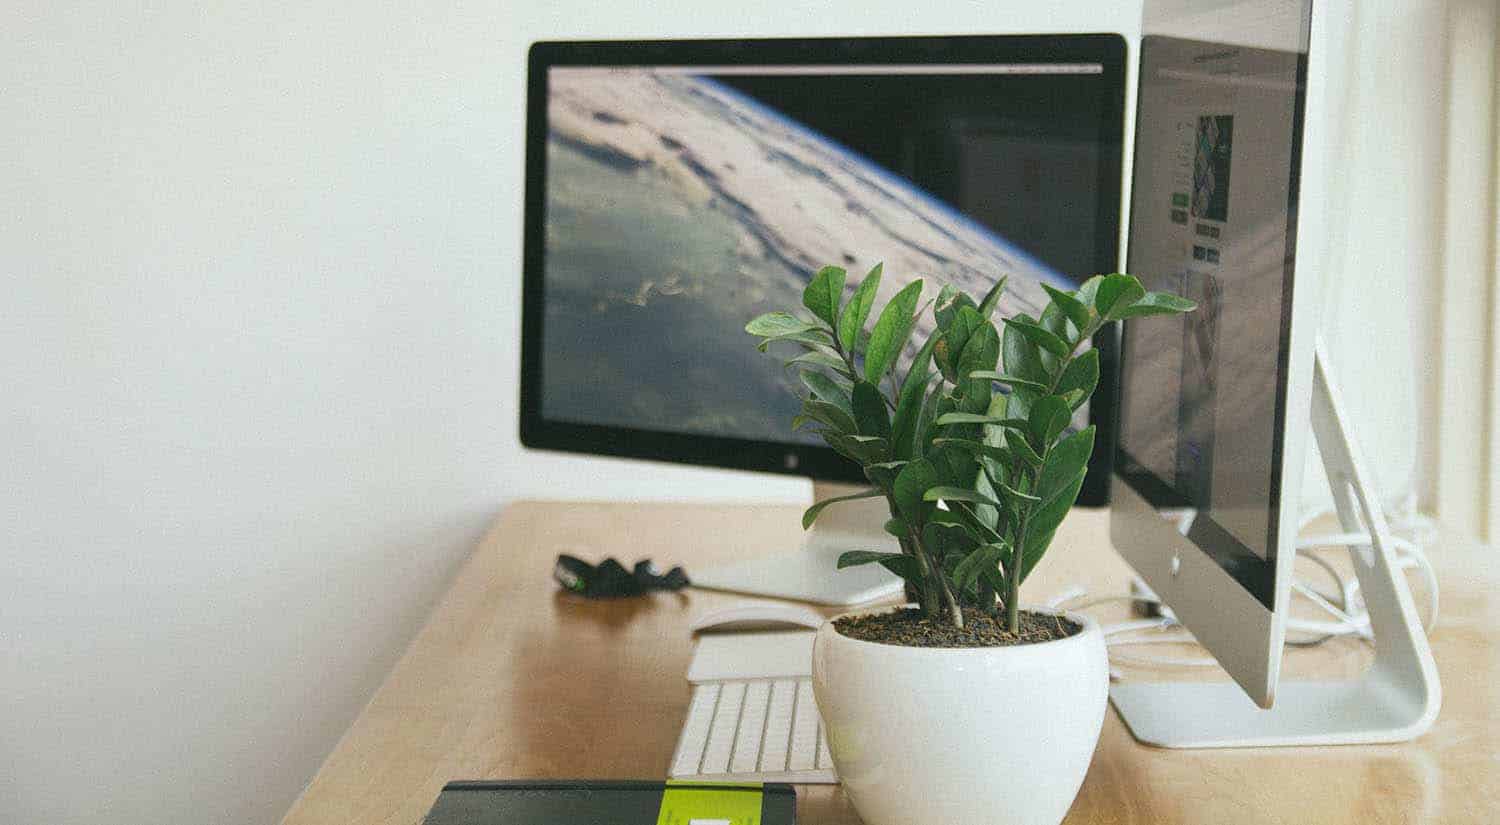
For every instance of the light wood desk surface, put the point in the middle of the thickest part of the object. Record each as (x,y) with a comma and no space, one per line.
(511,678)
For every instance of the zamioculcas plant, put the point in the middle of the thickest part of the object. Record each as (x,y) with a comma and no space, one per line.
(978,421)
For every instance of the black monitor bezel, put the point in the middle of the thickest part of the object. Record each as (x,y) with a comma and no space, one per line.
(821,463)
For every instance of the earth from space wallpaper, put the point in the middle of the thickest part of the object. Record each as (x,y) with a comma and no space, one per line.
(678,208)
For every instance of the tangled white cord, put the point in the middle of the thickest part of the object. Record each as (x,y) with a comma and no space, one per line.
(1411,533)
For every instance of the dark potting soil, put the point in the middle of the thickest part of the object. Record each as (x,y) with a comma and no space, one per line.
(909,627)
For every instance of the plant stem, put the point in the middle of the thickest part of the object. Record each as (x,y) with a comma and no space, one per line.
(847,356)
(931,573)
(1013,597)
(929,600)
(951,602)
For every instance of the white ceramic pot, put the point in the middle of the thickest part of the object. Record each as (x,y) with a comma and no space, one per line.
(965,736)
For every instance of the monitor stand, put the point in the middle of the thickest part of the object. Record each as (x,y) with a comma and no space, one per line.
(810,573)
(1396,699)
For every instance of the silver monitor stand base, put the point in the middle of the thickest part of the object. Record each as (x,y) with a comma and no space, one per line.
(809,573)
(1396,699)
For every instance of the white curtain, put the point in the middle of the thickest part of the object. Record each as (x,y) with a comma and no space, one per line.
(1371,224)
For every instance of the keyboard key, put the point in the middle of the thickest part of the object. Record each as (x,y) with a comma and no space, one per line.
(695,730)
(778,726)
(804,750)
(752,726)
(721,734)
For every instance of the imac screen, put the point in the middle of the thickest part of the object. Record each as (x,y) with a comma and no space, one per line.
(1212,219)
(682,201)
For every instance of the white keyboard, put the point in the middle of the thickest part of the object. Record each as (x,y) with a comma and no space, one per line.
(752,717)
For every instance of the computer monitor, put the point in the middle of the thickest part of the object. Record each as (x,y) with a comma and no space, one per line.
(1216,405)
(675,190)
(1206,397)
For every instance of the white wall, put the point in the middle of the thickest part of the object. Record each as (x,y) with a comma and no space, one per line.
(258,275)
(248,357)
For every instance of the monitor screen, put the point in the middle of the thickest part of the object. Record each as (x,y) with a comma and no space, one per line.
(1213,218)
(679,190)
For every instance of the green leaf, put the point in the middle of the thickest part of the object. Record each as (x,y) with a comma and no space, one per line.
(926,429)
(899,563)
(956,468)
(955,337)
(1023,359)
(957,494)
(1044,520)
(1156,303)
(994,435)
(965,514)
(1039,336)
(1048,417)
(1089,291)
(884,473)
(988,516)
(968,570)
(866,449)
(949,301)
(778,324)
(992,299)
(826,389)
(946,534)
(905,420)
(800,421)
(891,331)
(1067,459)
(908,416)
(981,353)
(823,293)
(1018,403)
(952,520)
(809,338)
(1058,324)
(1021,447)
(830,414)
(811,514)
(869,410)
(974,448)
(1116,292)
(896,527)
(1014,493)
(852,319)
(822,358)
(1075,310)
(1082,375)
(1005,378)
(911,483)
(950,419)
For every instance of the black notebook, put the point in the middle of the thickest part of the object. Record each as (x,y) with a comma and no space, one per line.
(558,802)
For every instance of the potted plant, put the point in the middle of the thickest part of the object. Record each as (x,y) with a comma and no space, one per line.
(961,706)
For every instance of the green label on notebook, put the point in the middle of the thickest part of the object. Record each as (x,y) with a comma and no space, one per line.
(719,803)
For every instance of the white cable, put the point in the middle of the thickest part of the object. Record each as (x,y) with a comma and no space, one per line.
(1134,625)
(1350,617)
(1065,596)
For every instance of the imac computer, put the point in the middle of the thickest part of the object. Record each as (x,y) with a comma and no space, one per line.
(1217,406)
(677,189)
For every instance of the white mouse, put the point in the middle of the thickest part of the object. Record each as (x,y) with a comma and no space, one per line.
(758,616)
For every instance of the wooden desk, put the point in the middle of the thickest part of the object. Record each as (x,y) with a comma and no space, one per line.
(512,679)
